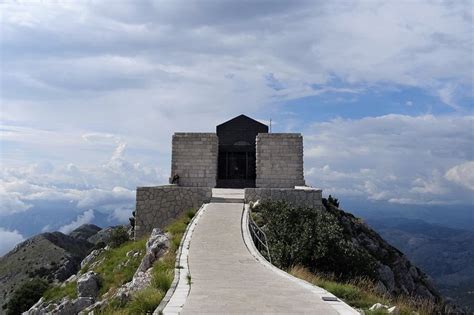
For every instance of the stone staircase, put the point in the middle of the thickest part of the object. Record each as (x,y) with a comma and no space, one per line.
(226,195)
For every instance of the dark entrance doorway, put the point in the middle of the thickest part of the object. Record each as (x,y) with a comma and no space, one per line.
(236,162)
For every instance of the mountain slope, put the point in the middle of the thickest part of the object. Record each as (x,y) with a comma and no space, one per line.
(446,254)
(50,256)
(333,242)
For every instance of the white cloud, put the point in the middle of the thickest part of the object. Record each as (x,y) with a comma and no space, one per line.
(394,158)
(106,187)
(8,239)
(462,174)
(11,202)
(84,218)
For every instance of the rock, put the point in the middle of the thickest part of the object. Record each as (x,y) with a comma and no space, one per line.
(387,277)
(91,257)
(156,246)
(88,285)
(81,303)
(90,309)
(66,307)
(378,306)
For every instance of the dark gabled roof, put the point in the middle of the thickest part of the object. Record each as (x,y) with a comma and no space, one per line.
(242,119)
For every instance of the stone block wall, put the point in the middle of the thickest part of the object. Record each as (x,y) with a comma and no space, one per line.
(194,159)
(159,206)
(279,160)
(310,197)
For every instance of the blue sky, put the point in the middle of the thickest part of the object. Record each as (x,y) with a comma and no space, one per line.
(92,91)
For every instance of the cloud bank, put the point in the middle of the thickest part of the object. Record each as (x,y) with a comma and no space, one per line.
(8,239)
(84,218)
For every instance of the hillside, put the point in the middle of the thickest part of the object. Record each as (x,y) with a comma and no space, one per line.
(338,245)
(50,256)
(445,254)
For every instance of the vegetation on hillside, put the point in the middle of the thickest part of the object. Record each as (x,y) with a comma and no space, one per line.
(311,238)
(26,295)
(147,300)
(314,245)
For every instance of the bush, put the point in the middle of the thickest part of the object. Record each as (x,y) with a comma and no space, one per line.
(314,239)
(118,236)
(26,296)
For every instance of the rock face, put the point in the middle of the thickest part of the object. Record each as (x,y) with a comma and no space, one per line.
(88,285)
(396,274)
(156,246)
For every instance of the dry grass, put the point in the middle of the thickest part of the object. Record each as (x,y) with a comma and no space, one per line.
(362,294)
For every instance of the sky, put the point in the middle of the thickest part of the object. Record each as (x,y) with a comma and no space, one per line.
(91,92)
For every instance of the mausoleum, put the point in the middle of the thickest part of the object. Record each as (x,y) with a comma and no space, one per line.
(242,153)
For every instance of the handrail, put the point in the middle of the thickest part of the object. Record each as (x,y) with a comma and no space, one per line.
(259,237)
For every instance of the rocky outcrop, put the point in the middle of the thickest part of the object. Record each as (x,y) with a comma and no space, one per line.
(156,246)
(88,284)
(396,275)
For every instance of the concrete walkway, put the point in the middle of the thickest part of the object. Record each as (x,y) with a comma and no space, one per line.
(227,279)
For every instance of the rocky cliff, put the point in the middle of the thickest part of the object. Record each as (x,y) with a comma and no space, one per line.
(395,273)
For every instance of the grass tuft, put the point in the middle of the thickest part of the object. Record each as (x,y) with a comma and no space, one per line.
(145,301)
(56,292)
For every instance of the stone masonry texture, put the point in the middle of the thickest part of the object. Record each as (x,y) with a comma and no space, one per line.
(194,159)
(279,160)
(311,198)
(159,206)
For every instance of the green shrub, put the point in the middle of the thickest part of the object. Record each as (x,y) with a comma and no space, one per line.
(314,239)
(118,236)
(26,296)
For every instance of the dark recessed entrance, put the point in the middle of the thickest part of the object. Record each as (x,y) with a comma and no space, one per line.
(236,162)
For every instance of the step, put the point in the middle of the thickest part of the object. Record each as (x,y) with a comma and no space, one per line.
(226,200)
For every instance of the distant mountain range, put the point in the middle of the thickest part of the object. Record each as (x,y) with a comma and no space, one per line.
(446,254)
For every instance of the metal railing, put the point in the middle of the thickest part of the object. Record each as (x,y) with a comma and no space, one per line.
(259,238)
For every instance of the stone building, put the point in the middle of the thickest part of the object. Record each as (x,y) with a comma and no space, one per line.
(240,154)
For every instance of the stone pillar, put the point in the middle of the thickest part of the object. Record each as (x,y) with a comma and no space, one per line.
(279,160)
(194,159)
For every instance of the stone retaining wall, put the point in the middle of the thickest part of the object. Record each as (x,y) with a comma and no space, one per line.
(311,198)
(279,160)
(159,206)
(194,159)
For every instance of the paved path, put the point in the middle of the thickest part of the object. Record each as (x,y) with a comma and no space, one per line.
(226,278)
